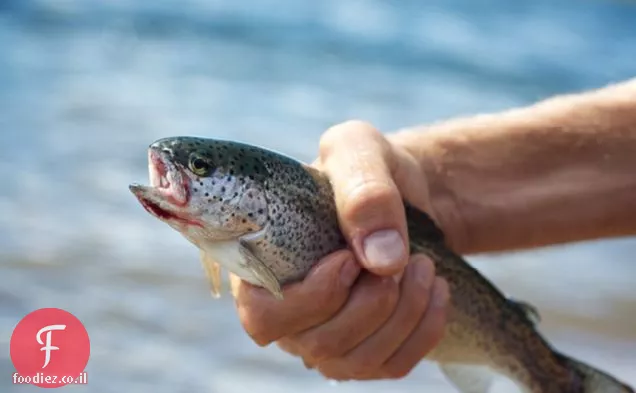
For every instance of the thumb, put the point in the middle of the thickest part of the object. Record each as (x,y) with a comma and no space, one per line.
(358,160)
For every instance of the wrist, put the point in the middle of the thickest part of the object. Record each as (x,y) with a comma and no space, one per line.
(442,201)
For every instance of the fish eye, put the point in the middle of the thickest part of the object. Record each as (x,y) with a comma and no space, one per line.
(199,166)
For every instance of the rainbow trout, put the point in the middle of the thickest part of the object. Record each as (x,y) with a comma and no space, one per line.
(268,219)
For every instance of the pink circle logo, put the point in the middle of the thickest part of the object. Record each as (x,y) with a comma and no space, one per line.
(49,348)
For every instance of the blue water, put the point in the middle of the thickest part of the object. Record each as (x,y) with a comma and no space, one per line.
(86,85)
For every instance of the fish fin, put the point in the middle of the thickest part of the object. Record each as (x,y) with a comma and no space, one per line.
(530,311)
(588,379)
(264,274)
(468,378)
(212,273)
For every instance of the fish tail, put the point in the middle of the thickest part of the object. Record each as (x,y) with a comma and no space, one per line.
(588,379)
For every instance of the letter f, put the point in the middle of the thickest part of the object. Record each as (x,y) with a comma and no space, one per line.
(48,347)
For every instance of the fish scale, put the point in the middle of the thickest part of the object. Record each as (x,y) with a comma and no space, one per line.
(269,218)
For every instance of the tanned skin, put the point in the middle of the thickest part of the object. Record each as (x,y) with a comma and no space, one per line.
(559,171)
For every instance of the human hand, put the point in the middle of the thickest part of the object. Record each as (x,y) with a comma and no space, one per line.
(348,322)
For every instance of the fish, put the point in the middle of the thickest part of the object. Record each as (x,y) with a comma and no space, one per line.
(269,218)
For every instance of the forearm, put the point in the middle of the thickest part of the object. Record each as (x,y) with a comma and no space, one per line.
(559,171)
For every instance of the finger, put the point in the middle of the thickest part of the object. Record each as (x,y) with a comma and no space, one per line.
(424,338)
(368,357)
(371,302)
(359,163)
(305,304)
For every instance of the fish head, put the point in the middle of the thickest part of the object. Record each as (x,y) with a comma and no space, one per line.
(207,189)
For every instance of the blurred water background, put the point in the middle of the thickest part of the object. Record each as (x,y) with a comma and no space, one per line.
(86,85)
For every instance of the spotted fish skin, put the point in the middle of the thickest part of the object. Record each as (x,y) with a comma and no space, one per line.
(293,224)
(300,220)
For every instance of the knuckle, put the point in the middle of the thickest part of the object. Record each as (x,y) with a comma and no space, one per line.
(319,347)
(333,373)
(357,123)
(344,130)
(254,328)
(370,196)
(363,367)
(308,365)
(259,337)
(360,127)
(396,371)
(288,345)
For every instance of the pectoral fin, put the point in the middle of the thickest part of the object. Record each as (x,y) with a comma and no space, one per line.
(264,274)
(212,273)
(468,378)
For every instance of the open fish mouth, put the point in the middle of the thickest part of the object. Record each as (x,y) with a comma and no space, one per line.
(168,195)
(157,169)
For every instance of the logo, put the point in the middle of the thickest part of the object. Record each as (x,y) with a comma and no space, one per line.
(49,348)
